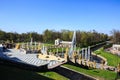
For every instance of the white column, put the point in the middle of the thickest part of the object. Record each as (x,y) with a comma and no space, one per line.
(78,51)
(57,51)
(35,46)
(27,46)
(22,45)
(86,53)
(62,52)
(89,53)
(82,53)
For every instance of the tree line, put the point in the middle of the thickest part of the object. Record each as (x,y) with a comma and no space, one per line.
(115,36)
(83,38)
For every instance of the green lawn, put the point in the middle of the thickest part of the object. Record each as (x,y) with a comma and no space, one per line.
(112,59)
(48,44)
(10,73)
(97,73)
(53,75)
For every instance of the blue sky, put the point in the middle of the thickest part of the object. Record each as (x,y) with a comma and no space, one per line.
(37,15)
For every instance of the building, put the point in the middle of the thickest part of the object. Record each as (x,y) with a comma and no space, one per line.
(59,42)
(116,47)
(71,44)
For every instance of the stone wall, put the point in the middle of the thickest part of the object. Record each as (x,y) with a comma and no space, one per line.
(71,74)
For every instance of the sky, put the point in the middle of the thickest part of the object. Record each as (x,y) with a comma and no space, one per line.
(38,15)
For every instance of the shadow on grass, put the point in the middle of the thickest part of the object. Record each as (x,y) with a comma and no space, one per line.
(96,71)
(12,73)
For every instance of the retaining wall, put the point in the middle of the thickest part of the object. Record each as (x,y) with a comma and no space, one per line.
(72,74)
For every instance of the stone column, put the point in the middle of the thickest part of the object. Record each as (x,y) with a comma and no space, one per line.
(85,53)
(82,53)
(62,52)
(46,50)
(78,51)
(88,53)
(22,45)
(35,46)
(57,52)
(38,47)
(27,45)
(31,42)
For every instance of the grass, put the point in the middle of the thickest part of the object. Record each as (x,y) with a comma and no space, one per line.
(53,75)
(97,73)
(11,73)
(48,44)
(55,50)
(112,59)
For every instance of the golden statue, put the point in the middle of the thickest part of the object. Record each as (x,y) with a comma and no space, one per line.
(66,55)
(17,46)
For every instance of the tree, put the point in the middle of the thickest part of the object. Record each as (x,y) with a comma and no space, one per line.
(115,36)
(83,38)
